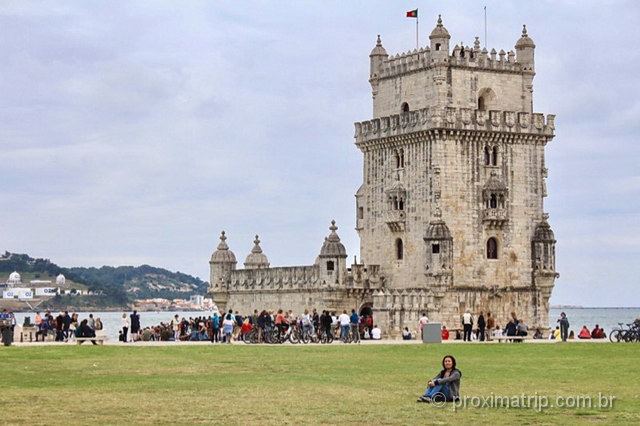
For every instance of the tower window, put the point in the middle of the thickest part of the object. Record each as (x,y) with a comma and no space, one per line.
(399,249)
(404,107)
(437,46)
(402,158)
(494,159)
(493,202)
(481,105)
(435,248)
(330,265)
(396,155)
(492,248)
(360,212)
(487,156)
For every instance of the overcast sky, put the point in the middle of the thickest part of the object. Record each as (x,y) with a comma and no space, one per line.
(133,132)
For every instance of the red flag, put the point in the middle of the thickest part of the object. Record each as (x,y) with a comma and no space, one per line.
(412,14)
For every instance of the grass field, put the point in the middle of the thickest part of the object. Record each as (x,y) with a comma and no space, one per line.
(309,385)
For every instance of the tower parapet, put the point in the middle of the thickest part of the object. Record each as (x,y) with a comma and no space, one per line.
(448,118)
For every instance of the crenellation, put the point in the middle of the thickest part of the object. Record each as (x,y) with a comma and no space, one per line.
(455,118)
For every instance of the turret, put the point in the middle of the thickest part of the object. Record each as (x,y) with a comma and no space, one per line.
(256,259)
(222,262)
(544,248)
(525,48)
(439,42)
(333,258)
(377,58)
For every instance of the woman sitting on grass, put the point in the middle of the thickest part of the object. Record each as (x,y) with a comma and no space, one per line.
(446,385)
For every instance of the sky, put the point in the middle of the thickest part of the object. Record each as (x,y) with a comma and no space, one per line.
(133,132)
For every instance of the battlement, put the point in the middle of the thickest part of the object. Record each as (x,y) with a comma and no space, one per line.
(455,119)
(286,277)
(421,59)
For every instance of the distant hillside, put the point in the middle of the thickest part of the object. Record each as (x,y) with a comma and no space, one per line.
(118,286)
(143,282)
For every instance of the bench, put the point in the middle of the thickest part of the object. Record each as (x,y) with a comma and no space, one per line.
(99,340)
(505,338)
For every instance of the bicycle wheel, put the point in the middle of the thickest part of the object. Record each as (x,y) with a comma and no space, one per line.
(615,336)
(294,337)
(246,338)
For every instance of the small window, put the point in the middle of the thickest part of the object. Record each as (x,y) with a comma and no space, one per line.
(396,156)
(437,46)
(493,202)
(487,156)
(401,158)
(492,248)
(360,212)
(405,107)
(401,204)
(481,104)
(494,158)
(330,265)
(435,248)
(399,249)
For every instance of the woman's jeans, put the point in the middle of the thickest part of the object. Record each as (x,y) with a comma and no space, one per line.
(439,392)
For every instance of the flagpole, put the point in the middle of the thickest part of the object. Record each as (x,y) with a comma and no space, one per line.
(485,27)
(417,37)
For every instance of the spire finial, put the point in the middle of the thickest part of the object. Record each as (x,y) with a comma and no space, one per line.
(223,237)
(524,30)
(476,44)
(333,227)
(379,41)
(257,240)
(223,245)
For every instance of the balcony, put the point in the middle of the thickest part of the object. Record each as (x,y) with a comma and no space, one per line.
(495,218)
(395,220)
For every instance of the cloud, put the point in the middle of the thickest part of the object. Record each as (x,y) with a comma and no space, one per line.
(134,132)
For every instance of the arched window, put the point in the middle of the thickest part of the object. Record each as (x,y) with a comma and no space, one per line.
(404,107)
(401,159)
(492,248)
(487,156)
(493,202)
(330,265)
(501,201)
(399,249)
(401,203)
(481,105)
(494,159)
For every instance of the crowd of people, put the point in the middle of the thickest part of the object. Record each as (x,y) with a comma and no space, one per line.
(65,327)
(233,326)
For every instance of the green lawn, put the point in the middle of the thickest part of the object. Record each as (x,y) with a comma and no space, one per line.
(311,384)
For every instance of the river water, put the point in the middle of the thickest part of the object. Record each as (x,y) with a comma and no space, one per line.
(605,317)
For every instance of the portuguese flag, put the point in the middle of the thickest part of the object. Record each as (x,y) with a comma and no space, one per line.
(412,14)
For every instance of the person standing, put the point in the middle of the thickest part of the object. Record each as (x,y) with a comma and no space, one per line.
(481,326)
(355,321)
(125,327)
(135,326)
(91,322)
(66,324)
(491,324)
(422,322)
(325,322)
(175,325)
(467,323)
(344,321)
(564,326)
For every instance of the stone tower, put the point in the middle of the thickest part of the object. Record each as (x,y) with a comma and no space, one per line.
(451,204)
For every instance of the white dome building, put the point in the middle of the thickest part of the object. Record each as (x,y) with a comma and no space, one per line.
(60,280)
(14,278)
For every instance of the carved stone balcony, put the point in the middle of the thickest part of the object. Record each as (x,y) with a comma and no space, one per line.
(495,218)
(395,219)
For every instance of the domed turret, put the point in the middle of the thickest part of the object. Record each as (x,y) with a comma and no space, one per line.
(60,280)
(15,278)
(543,232)
(256,259)
(222,262)
(439,41)
(525,49)
(332,246)
(223,254)
(437,230)
(377,57)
